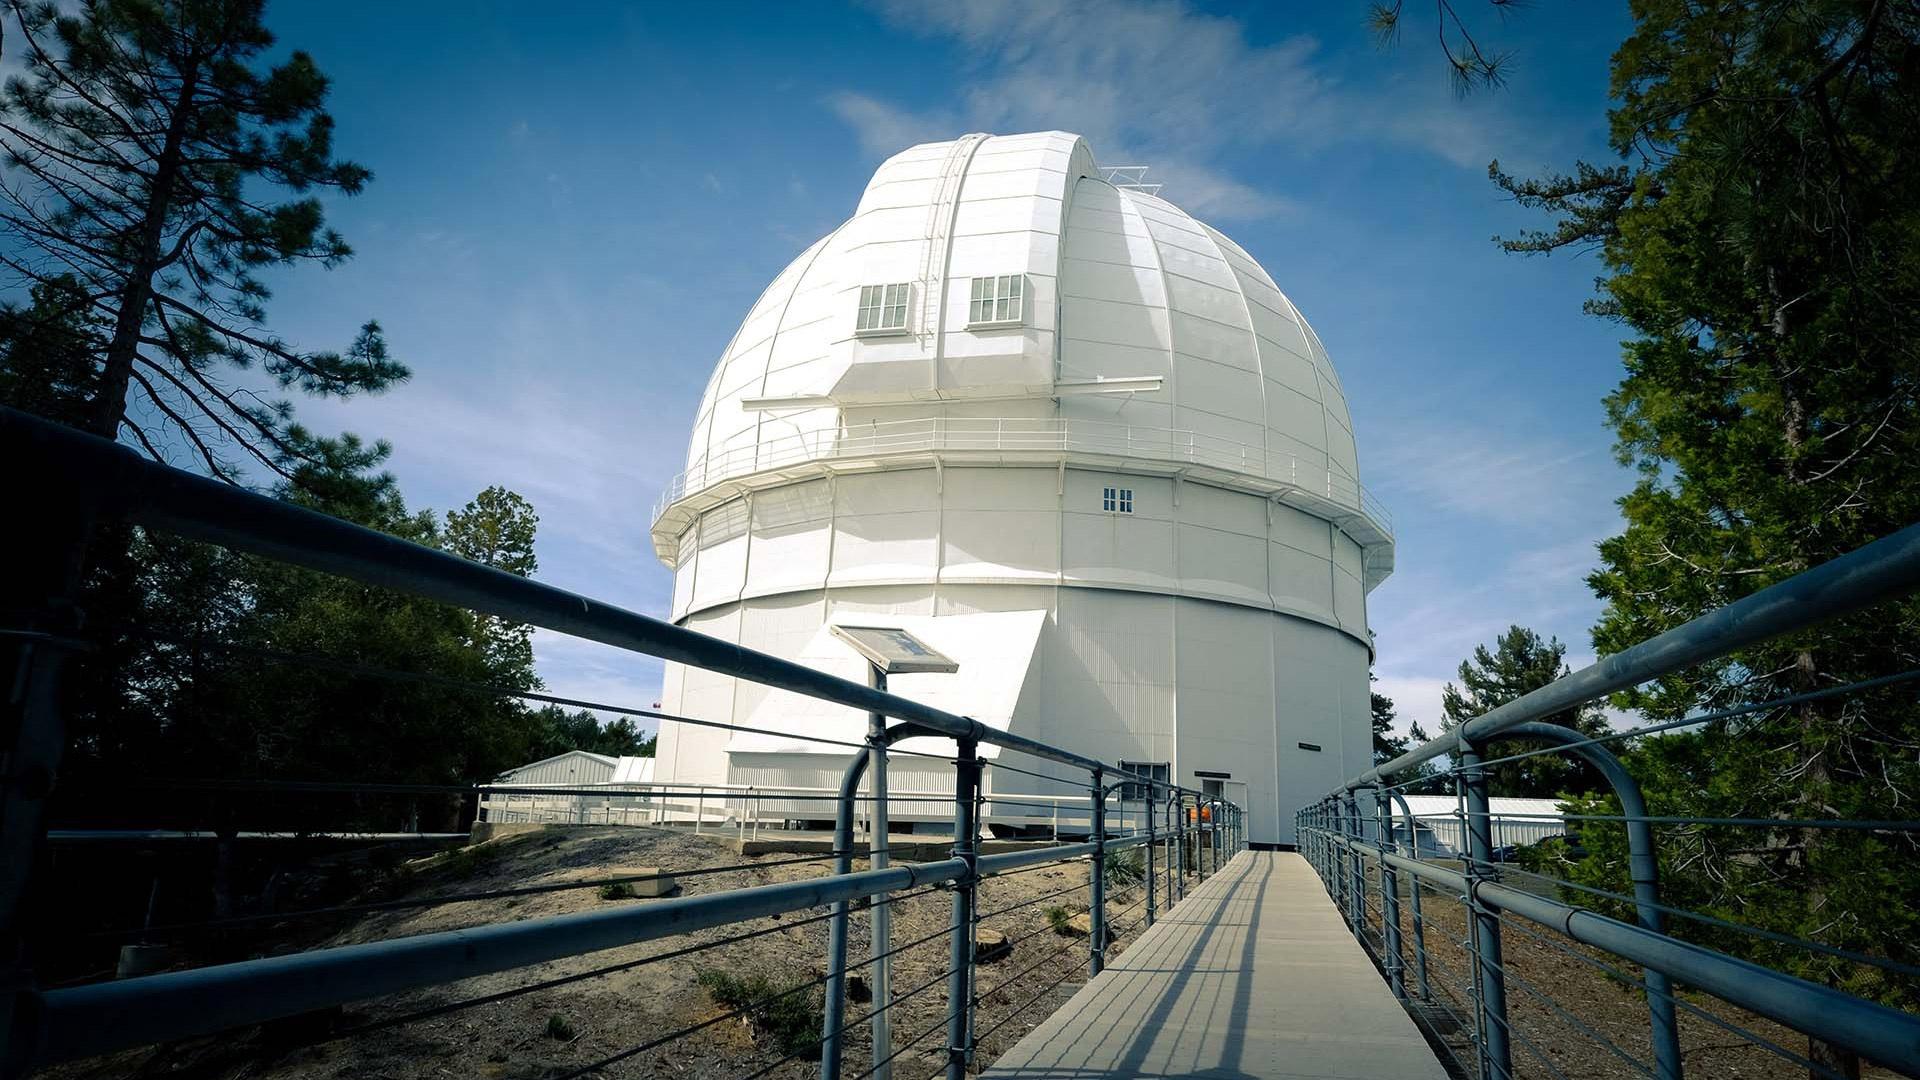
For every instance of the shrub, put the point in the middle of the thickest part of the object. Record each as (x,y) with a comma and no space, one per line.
(616,890)
(1126,868)
(560,1028)
(1057,917)
(788,1015)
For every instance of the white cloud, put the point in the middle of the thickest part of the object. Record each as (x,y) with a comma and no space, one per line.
(884,129)
(1416,699)
(1161,84)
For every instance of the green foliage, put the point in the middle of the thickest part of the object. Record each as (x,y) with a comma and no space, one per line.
(496,529)
(559,1028)
(1386,745)
(1519,663)
(187,681)
(1060,920)
(787,1014)
(159,167)
(557,731)
(616,890)
(1761,236)
(47,351)
(1127,868)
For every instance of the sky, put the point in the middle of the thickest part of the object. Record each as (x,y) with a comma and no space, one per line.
(570,214)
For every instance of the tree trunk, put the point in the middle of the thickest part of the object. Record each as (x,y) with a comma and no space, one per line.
(117,372)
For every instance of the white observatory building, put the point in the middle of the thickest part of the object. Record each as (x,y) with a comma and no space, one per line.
(1029,411)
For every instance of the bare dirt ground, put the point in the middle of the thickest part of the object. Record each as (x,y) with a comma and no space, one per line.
(1565,1010)
(615,1012)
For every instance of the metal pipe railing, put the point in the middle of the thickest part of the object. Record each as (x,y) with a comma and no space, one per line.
(1339,848)
(1885,1035)
(85,1020)
(125,485)
(1887,568)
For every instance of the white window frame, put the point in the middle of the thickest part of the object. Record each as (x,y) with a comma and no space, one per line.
(1000,300)
(884,310)
(1117,500)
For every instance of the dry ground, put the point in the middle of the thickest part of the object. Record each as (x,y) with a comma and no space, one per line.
(1565,1010)
(617,1011)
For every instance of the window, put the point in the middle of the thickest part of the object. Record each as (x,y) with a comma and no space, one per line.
(998,301)
(1133,792)
(883,309)
(1117,500)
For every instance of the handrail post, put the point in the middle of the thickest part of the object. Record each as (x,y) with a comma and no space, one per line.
(1357,869)
(1343,865)
(1151,840)
(1177,882)
(1097,928)
(1644,863)
(1491,975)
(1413,902)
(960,945)
(877,859)
(834,1006)
(1389,895)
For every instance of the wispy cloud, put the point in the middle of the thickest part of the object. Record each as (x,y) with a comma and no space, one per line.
(1160,83)
(1489,473)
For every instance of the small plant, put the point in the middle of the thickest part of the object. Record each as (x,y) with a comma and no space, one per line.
(616,890)
(1060,919)
(559,1028)
(789,1015)
(1126,869)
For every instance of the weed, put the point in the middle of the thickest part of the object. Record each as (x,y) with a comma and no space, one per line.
(560,1028)
(616,890)
(1126,868)
(789,1015)
(1060,919)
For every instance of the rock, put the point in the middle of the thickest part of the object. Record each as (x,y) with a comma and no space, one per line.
(657,886)
(136,960)
(989,945)
(858,991)
(1080,925)
(483,831)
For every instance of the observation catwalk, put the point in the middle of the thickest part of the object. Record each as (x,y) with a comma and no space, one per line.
(1254,974)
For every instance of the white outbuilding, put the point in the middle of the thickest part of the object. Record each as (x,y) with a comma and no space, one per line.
(1027,409)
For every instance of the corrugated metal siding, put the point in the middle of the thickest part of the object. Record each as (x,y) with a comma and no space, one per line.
(571,769)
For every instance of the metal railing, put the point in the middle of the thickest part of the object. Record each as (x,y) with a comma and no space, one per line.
(1300,468)
(70,480)
(1499,948)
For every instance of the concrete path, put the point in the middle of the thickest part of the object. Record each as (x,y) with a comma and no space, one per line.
(1253,975)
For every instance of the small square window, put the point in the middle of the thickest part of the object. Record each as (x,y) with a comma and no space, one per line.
(997,301)
(883,309)
(1117,500)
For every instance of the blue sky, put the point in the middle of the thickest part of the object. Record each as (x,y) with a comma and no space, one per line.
(570,213)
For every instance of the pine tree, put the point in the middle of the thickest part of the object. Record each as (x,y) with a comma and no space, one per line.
(145,149)
(1761,235)
(1520,662)
(46,352)
(497,529)
(1386,745)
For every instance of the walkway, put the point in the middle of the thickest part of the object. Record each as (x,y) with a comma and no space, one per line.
(1253,975)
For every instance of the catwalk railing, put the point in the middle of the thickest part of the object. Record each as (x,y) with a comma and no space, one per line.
(1520,971)
(1142,835)
(1291,465)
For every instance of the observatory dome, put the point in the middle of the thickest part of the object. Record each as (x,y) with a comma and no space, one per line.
(1026,410)
(1011,278)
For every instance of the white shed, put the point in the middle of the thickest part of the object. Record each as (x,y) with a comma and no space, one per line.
(1515,821)
(575,768)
